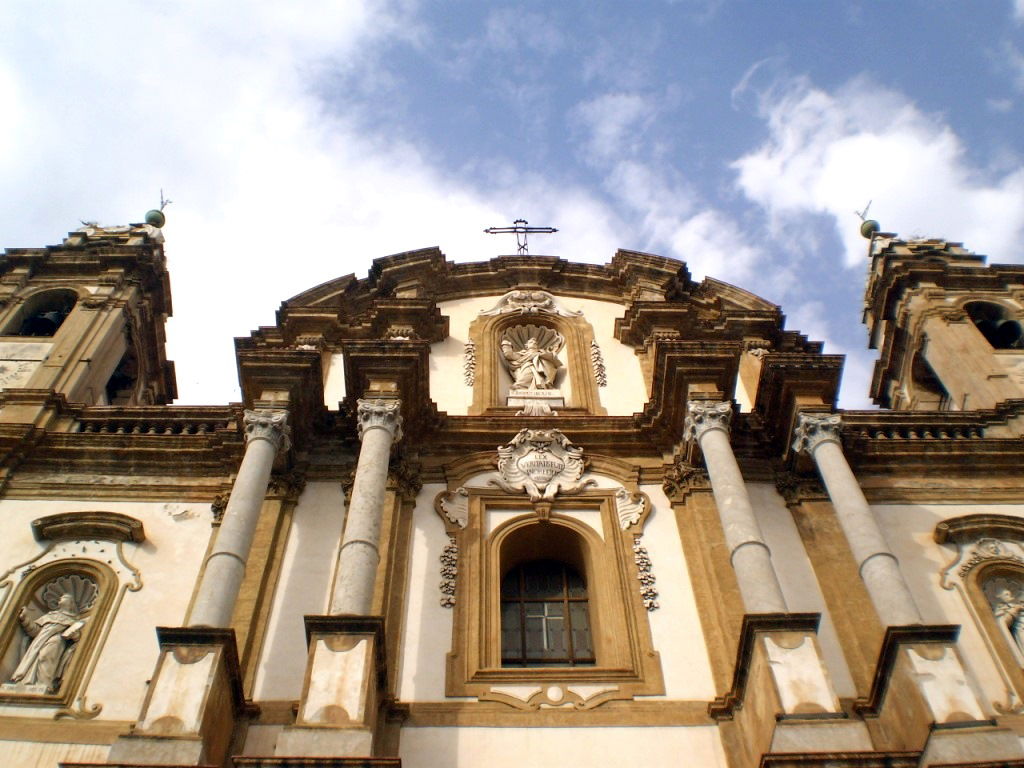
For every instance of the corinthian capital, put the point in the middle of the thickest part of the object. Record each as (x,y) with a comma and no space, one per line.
(813,429)
(380,414)
(268,425)
(702,416)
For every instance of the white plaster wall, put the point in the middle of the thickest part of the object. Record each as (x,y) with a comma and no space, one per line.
(334,380)
(797,578)
(30,754)
(675,625)
(909,529)
(427,634)
(654,747)
(304,586)
(169,559)
(625,394)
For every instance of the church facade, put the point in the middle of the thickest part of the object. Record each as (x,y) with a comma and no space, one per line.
(521,511)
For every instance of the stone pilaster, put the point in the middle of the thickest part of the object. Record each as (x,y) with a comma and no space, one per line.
(708,424)
(266,433)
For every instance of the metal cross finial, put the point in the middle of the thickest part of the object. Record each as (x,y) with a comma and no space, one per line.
(521,230)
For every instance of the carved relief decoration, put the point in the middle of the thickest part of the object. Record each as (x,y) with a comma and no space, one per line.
(631,508)
(449,572)
(454,506)
(541,463)
(702,416)
(597,359)
(15,373)
(1001,597)
(682,478)
(644,572)
(529,303)
(530,355)
(469,364)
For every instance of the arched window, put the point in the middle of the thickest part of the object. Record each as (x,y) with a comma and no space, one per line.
(545,617)
(1001,331)
(44,313)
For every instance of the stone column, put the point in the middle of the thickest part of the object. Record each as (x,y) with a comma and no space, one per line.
(380,425)
(266,432)
(818,435)
(708,423)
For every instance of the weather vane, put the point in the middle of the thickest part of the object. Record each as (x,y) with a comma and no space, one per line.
(520,229)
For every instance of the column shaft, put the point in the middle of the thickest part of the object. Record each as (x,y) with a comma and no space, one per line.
(225,565)
(751,559)
(359,556)
(878,566)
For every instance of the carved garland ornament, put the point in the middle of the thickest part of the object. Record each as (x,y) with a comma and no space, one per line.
(541,463)
(597,360)
(449,572)
(469,364)
(644,567)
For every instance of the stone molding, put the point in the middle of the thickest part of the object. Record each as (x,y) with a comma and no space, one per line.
(813,429)
(703,416)
(379,413)
(110,526)
(269,425)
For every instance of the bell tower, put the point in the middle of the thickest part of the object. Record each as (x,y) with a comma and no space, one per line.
(85,319)
(948,326)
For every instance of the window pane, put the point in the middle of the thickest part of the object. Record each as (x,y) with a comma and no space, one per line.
(580,631)
(511,631)
(551,598)
(577,588)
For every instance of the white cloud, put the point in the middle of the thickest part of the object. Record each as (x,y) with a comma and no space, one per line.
(614,124)
(830,153)
(271,195)
(1018,9)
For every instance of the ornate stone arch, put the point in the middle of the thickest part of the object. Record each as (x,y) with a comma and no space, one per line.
(990,559)
(577,381)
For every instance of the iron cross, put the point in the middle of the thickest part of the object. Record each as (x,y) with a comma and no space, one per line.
(520,229)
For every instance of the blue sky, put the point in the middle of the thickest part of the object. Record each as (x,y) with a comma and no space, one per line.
(300,141)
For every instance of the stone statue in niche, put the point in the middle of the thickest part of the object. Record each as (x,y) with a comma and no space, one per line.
(1008,609)
(52,635)
(530,353)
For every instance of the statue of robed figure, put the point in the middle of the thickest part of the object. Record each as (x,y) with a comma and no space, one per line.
(530,354)
(54,637)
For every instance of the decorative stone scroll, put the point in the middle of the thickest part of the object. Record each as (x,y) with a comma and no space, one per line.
(631,508)
(454,506)
(541,463)
(597,361)
(529,303)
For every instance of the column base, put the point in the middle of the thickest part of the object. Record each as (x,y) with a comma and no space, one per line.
(192,705)
(782,699)
(921,699)
(345,679)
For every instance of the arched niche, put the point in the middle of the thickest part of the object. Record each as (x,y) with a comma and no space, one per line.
(576,380)
(988,573)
